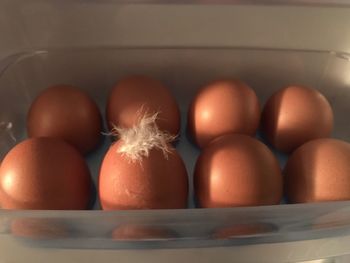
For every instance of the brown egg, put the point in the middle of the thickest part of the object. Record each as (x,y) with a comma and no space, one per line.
(134,96)
(155,182)
(38,228)
(225,106)
(242,230)
(44,173)
(337,219)
(67,113)
(319,171)
(237,170)
(295,115)
(140,232)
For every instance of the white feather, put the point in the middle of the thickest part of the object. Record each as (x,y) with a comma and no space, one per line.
(138,141)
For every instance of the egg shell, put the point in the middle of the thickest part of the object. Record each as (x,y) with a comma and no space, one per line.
(337,219)
(243,230)
(318,171)
(141,232)
(155,182)
(221,107)
(237,170)
(295,115)
(44,173)
(38,228)
(67,113)
(134,96)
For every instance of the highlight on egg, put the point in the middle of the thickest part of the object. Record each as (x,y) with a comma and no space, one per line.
(134,96)
(221,107)
(45,174)
(243,230)
(142,170)
(318,171)
(68,113)
(237,170)
(294,115)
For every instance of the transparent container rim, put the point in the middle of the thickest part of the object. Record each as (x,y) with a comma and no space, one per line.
(333,205)
(12,59)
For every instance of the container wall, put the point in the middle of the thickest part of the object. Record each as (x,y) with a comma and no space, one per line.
(37,24)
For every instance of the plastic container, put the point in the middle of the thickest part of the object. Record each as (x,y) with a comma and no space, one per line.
(183,70)
(50,42)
